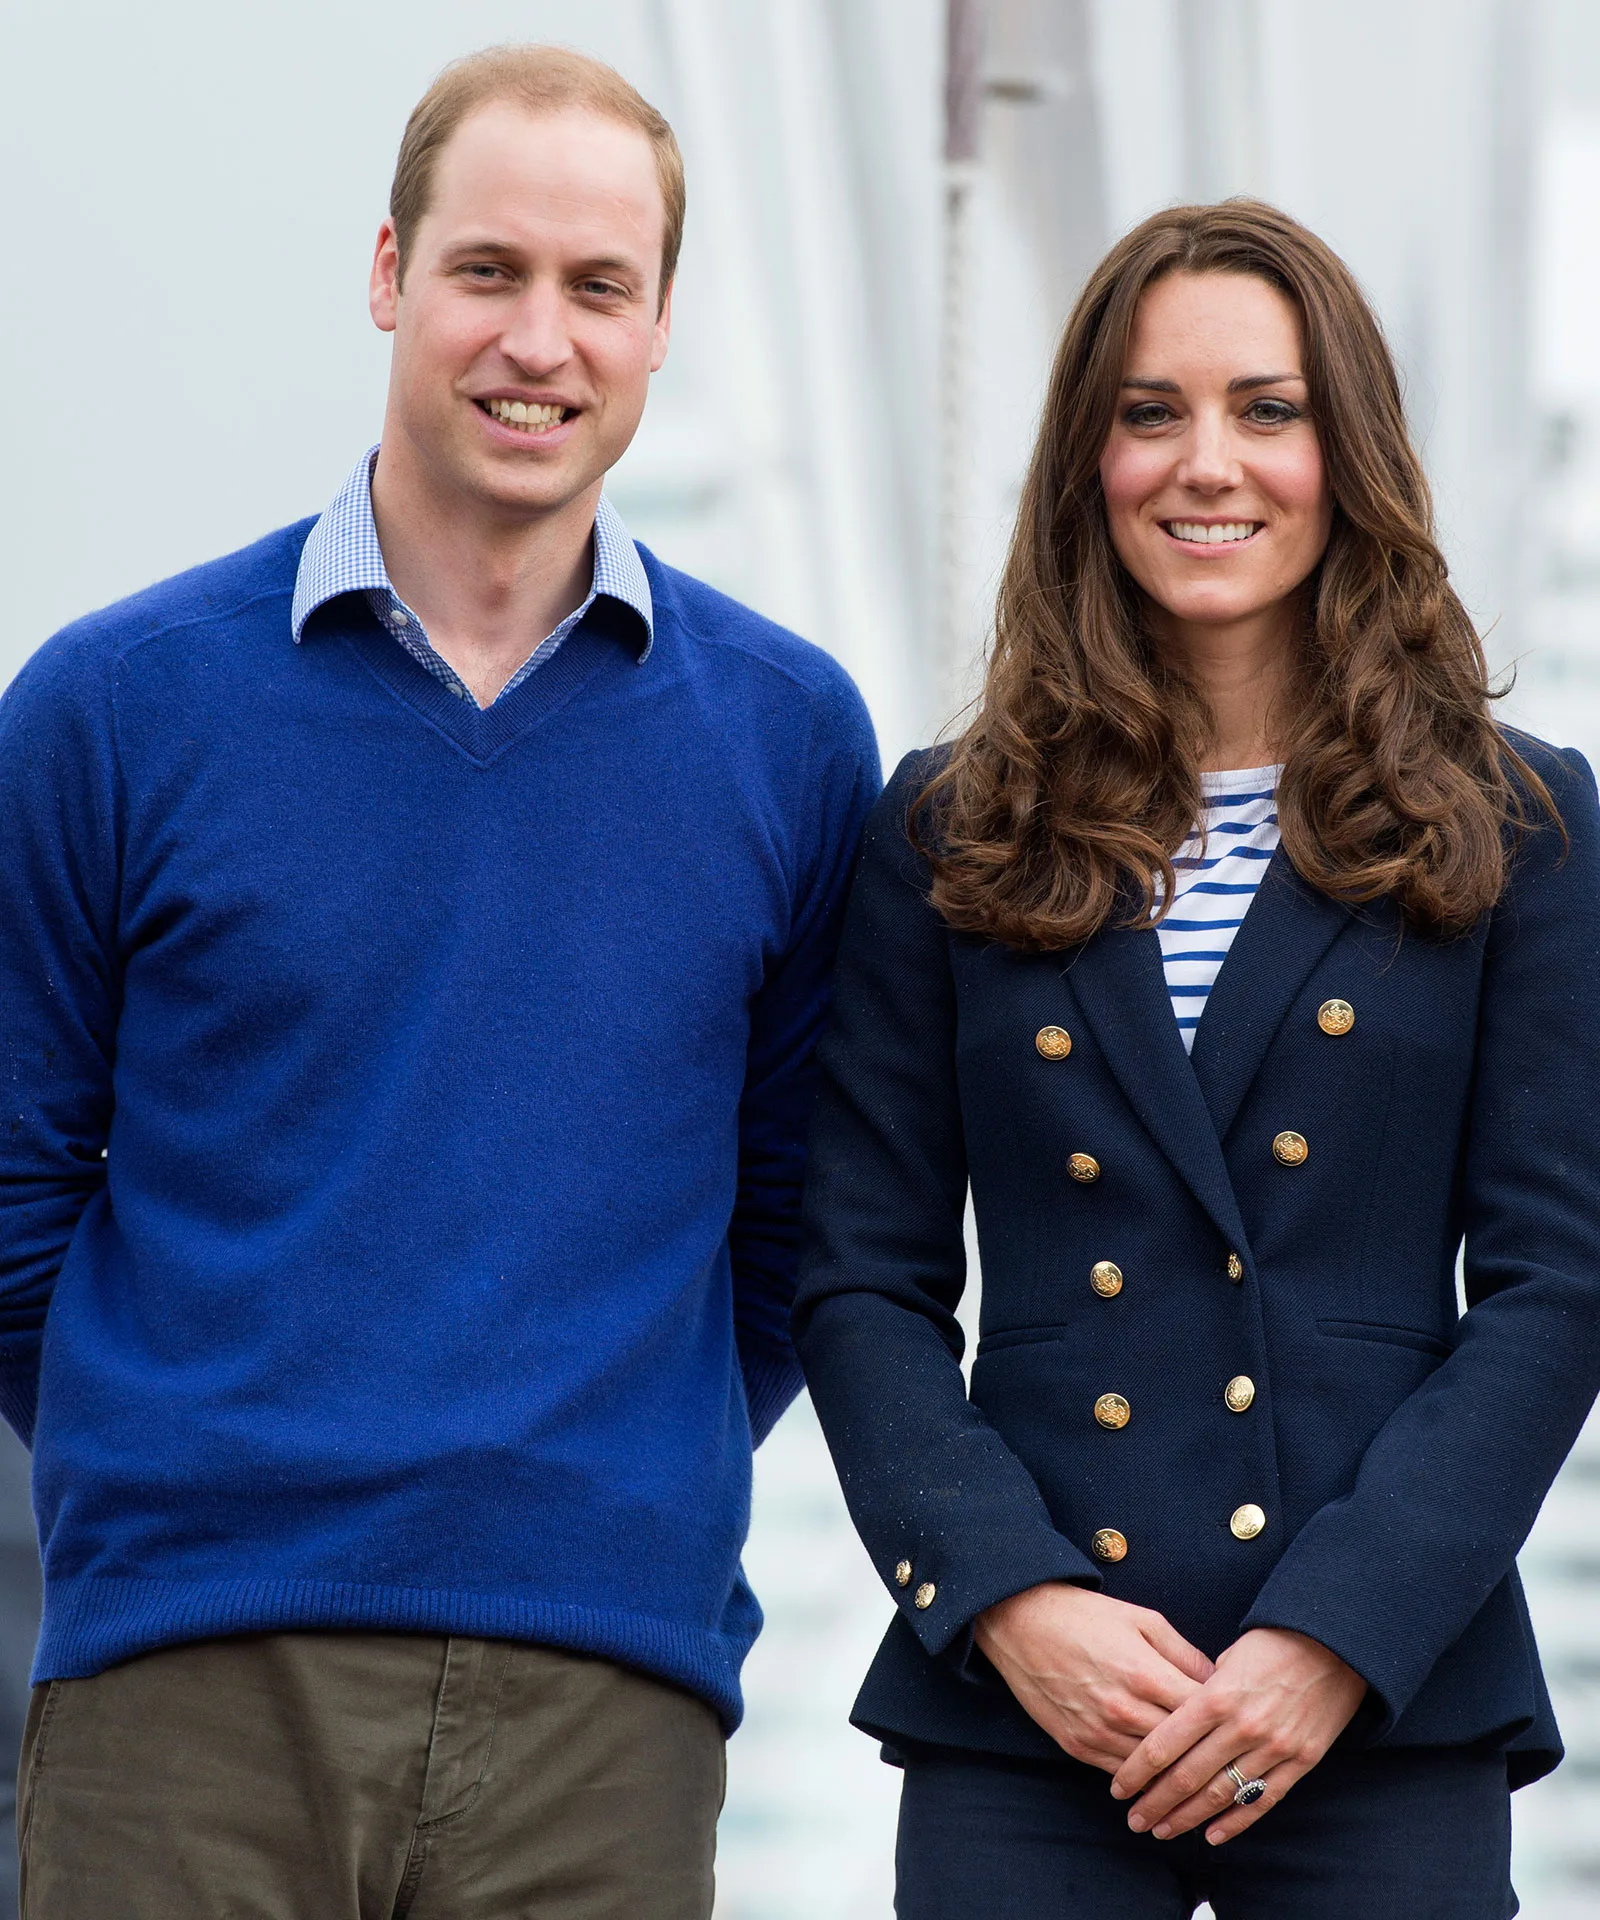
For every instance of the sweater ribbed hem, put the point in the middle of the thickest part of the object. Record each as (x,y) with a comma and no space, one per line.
(90,1625)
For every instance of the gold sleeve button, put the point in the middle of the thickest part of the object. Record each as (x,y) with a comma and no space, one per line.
(902,1574)
(1084,1167)
(1336,1017)
(1290,1150)
(1247,1521)
(1239,1393)
(1112,1411)
(923,1598)
(1054,1043)
(1108,1544)
(1105,1276)
(1235,1268)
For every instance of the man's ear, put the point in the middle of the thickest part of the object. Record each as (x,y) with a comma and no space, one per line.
(383,289)
(663,333)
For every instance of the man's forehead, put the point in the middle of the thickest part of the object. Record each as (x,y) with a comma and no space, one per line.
(570,162)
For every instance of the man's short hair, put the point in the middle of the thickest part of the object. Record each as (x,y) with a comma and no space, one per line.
(544,80)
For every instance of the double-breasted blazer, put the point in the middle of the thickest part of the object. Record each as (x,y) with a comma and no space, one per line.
(1222,1370)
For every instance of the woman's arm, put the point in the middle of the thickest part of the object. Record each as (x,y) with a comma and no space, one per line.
(1381,1582)
(952,1519)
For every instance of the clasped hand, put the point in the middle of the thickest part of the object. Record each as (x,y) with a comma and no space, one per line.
(1119,1687)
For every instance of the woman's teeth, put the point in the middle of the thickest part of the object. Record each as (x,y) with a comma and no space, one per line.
(1212,536)
(517,413)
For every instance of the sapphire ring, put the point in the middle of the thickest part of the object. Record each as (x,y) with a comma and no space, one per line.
(1246,1792)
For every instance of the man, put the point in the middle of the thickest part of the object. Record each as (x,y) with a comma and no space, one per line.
(413,934)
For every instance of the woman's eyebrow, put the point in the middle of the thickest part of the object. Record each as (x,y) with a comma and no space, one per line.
(1246,382)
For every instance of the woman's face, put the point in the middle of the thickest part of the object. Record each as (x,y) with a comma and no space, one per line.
(1213,476)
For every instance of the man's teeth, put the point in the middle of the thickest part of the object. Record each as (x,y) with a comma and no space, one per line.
(1212,536)
(517,413)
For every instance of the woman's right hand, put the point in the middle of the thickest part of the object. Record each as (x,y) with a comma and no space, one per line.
(1095,1673)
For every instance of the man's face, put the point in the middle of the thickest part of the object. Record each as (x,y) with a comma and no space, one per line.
(532,292)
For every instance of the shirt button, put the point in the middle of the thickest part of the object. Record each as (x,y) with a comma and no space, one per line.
(1336,1017)
(1239,1392)
(1105,1276)
(1290,1150)
(902,1574)
(1054,1043)
(400,617)
(1084,1167)
(1247,1522)
(923,1598)
(1235,1268)
(1108,1544)
(1112,1411)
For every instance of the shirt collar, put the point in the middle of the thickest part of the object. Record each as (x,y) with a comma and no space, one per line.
(342,555)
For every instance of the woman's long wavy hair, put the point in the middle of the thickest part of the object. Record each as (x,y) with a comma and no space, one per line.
(1063,802)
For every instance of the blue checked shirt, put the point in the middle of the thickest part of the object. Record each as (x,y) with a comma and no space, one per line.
(342,556)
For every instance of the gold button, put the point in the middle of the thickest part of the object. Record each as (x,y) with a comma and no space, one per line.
(1084,1167)
(1108,1544)
(1290,1149)
(1235,1268)
(1239,1392)
(1112,1411)
(1055,1043)
(1105,1276)
(902,1574)
(1336,1016)
(922,1599)
(1247,1522)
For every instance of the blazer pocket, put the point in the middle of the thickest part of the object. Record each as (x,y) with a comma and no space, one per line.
(1387,1336)
(1016,1337)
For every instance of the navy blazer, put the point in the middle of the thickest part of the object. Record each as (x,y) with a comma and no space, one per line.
(1397,1450)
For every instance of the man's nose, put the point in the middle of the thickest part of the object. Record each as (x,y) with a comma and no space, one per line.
(536,335)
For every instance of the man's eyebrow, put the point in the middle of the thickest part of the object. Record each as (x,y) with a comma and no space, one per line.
(505,250)
(502,249)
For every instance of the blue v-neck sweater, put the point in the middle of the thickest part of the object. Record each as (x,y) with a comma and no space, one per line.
(401,1115)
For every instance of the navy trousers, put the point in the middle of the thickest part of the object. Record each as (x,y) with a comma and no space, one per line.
(1417,1835)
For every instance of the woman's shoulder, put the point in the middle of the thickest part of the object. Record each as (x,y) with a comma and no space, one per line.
(1569,808)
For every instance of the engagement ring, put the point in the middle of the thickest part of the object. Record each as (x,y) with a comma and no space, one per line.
(1247,1792)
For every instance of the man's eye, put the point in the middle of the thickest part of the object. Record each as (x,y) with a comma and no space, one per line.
(482,270)
(601,289)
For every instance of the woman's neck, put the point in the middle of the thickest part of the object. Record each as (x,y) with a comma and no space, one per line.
(1242,671)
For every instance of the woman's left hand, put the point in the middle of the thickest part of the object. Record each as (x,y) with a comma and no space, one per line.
(1274,1705)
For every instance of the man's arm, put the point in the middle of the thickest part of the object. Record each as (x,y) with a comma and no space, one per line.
(59,983)
(841,783)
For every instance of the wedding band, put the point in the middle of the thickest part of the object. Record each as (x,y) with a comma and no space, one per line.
(1246,1792)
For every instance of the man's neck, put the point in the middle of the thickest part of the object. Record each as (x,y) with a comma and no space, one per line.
(487,587)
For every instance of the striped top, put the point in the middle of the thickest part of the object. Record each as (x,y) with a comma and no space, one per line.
(1214,892)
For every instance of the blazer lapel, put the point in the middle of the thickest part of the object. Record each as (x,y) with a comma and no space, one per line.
(1286,931)
(1118,982)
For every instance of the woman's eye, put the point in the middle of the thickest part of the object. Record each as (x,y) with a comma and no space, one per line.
(1271,413)
(1148,413)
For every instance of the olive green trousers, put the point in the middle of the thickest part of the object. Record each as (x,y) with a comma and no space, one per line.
(365,1776)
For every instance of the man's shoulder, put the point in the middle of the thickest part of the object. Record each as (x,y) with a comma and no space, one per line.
(82,660)
(216,590)
(715,621)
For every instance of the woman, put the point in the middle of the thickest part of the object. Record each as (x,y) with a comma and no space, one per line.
(1208,1591)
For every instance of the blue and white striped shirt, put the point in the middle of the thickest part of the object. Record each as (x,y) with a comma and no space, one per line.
(1214,892)
(342,555)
